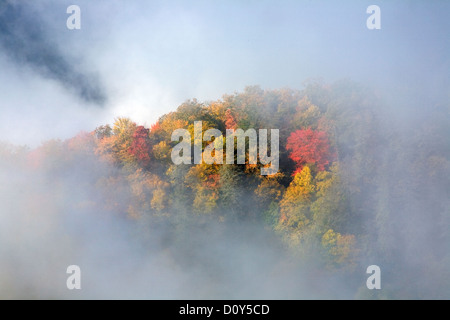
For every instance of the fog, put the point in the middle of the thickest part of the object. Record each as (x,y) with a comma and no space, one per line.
(47,224)
(141,60)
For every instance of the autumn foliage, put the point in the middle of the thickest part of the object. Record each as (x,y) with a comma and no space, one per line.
(304,202)
(230,121)
(309,146)
(317,205)
(140,146)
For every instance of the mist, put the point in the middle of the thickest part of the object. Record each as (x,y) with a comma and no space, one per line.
(142,60)
(52,218)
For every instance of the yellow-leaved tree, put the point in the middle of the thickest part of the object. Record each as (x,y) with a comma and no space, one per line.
(295,215)
(342,250)
(148,194)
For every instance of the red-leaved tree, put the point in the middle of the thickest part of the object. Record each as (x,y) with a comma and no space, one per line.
(140,146)
(309,146)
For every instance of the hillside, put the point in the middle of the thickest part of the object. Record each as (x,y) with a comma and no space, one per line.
(352,189)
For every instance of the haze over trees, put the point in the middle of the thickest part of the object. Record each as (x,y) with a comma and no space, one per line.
(352,190)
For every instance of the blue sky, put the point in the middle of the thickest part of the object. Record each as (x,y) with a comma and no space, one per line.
(147,57)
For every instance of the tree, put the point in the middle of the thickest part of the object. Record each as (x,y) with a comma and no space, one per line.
(148,194)
(116,145)
(103,131)
(140,146)
(123,130)
(230,121)
(309,146)
(306,115)
(294,207)
(203,180)
(230,191)
(342,250)
(331,209)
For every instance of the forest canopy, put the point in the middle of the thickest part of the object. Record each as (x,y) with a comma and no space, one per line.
(350,190)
